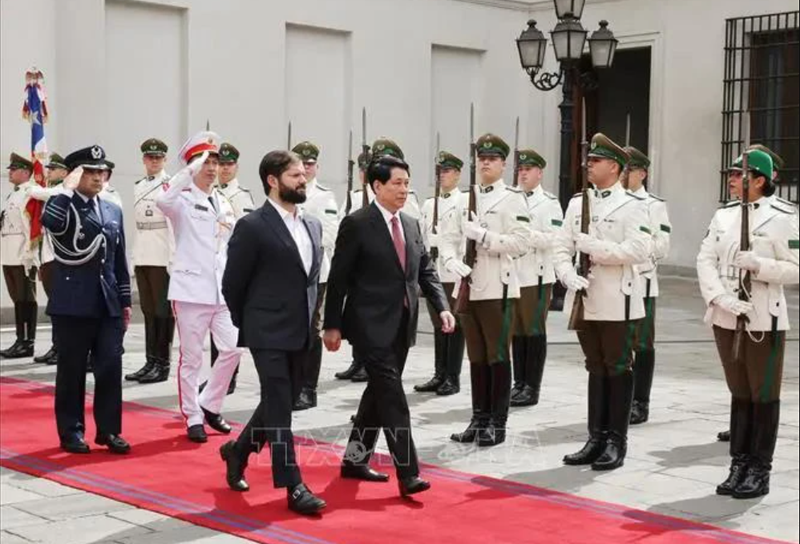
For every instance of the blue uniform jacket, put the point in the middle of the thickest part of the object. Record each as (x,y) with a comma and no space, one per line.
(91,276)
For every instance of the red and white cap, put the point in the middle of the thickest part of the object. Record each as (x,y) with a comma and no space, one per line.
(199,144)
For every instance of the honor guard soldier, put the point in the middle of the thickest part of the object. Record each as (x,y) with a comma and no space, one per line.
(381,148)
(777,165)
(90,303)
(448,348)
(754,371)
(321,204)
(202,221)
(56,172)
(241,200)
(661,229)
(109,193)
(152,253)
(19,260)
(618,241)
(500,227)
(536,277)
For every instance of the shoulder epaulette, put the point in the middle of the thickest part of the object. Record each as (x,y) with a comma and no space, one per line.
(782,207)
(322,187)
(551,196)
(576,195)
(787,202)
(656,197)
(357,191)
(514,189)
(630,194)
(730,204)
(144,178)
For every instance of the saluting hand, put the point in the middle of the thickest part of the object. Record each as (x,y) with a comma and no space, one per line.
(73,179)
(332,338)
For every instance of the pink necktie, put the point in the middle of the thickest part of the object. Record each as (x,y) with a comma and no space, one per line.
(399,245)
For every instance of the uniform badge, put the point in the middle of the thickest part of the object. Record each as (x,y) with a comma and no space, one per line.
(97,152)
(148,213)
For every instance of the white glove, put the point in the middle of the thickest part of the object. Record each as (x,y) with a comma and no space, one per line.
(73,179)
(473,230)
(733,305)
(588,244)
(454,266)
(575,282)
(194,167)
(747,260)
(433,240)
(29,262)
(540,240)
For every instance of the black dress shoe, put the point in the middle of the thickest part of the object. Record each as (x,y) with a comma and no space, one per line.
(360,377)
(724,436)
(413,485)
(216,422)
(360,472)
(305,401)
(197,433)
(45,359)
(234,467)
(18,350)
(75,444)
(158,373)
(430,386)
(304,502)
(135,376)
(349,373)
(450,386)
(115,443)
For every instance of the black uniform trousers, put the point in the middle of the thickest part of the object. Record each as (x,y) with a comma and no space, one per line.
(384,405)
(75,338)
(278,371)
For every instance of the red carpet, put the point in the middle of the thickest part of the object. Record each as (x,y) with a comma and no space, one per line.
(167,474)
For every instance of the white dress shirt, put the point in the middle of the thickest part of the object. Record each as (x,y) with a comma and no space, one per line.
(299,233)
(387,217)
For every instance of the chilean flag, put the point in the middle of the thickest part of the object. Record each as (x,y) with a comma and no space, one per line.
(35,111)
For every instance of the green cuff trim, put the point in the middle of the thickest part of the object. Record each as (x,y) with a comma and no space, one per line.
(794,244)
(332,212)
(523,218)
(645,229)
(666,228)
(557,222)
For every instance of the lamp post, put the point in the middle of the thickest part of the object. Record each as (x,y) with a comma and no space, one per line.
(569,40)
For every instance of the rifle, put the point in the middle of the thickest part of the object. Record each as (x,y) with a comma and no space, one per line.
(289,137)
(576,318)
(745,281)
(350,165)
(626,172)
(516,154)
(437,175)
(462,301)
(365,151)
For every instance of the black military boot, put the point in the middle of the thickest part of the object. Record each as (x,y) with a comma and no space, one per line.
(519,354)
(481,383)
(348,374)
(724,436)
(440,362)
(620,399)
(766,419)
(598,423)
(159,373)
(150,336)
(49,358)
(741,427)
(495,432)
(453,363)
(534,371)
(18,349)
(643,370)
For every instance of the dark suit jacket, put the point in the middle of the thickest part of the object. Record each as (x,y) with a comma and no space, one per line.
(100,287)
(367,285)
(266,288)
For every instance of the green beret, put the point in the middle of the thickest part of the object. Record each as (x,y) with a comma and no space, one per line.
(364,158)
(154,147)
(603,147)
(777,161)
(308,152)
(529,157)
(56,161)
(228,153)
(448,160)
(492,145)
(757,161)
(385,146)
(20,162)
(637,158)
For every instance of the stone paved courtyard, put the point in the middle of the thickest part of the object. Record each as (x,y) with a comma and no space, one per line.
(672,468)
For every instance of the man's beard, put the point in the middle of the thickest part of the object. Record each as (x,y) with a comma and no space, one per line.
(292,196)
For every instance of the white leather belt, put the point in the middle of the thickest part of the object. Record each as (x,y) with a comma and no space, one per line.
(151,226)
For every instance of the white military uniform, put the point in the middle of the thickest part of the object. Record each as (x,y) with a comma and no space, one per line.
(410,208)
(240,199)
(452,203)
(15,235)
(661,229)
(546,218)
(774,239)
(109,194)
(502,211)
(619,221)
(154,243)
(202,230)
(44,194)
(321,204)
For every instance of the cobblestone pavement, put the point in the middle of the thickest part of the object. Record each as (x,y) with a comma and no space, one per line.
(673,465)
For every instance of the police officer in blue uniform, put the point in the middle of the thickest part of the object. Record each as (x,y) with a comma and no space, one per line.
(90,301)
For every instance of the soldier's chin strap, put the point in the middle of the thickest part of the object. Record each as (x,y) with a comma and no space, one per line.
(77,257)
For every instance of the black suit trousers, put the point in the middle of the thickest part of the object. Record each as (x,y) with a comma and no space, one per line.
(272,421)
(76,337)
(384,405)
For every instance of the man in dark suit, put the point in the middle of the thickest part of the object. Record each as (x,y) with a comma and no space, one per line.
(270,287)
(90,301)
(379,263)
